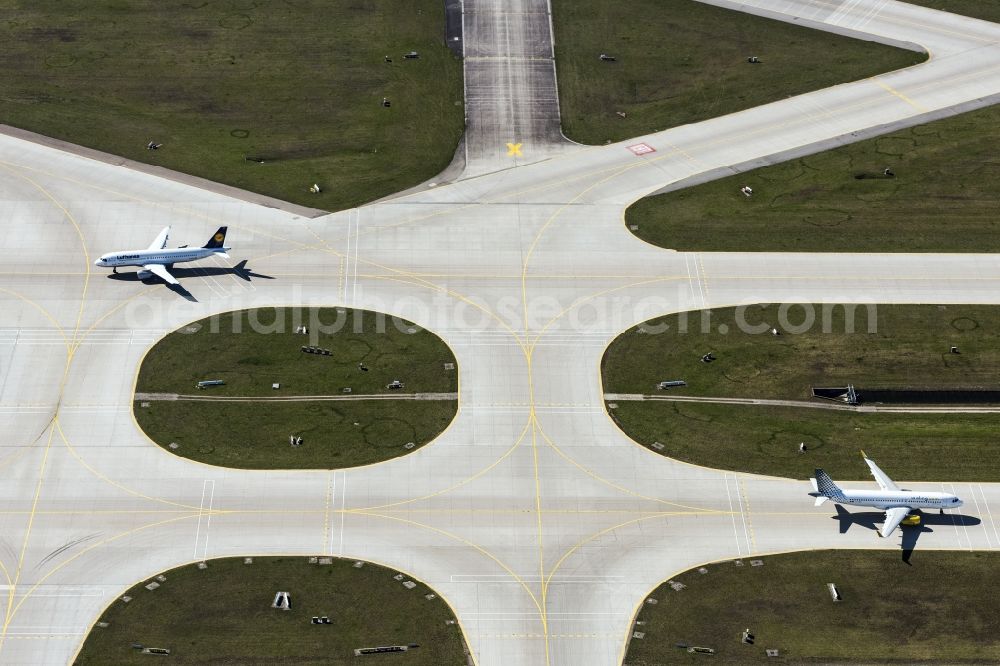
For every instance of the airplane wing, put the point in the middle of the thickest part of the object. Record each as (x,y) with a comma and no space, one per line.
(893,517)
(161,240)
(161,272)
(884,482)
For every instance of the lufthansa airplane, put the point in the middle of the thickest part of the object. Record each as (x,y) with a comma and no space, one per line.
(897,503)
(158,258)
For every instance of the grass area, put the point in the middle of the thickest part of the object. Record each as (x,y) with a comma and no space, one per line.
(910,348)
(940,200)
(681,62)
(222,614)
(988,11)
(251,349)
(765,440)
(942,609)
(255,435)
(298,84)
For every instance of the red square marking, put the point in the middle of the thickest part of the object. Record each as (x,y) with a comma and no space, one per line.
(642,149)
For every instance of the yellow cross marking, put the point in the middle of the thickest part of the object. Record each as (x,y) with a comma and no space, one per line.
(514,150)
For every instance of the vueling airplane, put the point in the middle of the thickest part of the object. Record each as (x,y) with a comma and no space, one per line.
(896,503)
(157,258)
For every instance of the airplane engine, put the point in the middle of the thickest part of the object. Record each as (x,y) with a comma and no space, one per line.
(144,275)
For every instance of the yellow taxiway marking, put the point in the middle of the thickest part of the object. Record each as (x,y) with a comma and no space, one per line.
(540,636)
(71,347)
(514,150)
(745,498)
(892,91)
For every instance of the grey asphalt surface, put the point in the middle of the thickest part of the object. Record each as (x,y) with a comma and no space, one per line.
(532,515)
(510,85)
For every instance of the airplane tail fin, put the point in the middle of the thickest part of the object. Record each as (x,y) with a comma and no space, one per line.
(825,488)
(820,497)
(217,239)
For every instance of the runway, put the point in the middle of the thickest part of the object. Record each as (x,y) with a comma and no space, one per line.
(532,515)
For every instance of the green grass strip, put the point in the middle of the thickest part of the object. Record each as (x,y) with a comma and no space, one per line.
(682,61)
(223,614)
(297,84)
(941,609)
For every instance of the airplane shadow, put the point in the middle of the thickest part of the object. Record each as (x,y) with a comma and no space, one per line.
(911,533)
(240,270)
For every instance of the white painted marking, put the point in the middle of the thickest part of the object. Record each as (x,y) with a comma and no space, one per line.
(954,519)
(333,502)
(357,250)
(72,591)
(343,506)
(506,578)
(698,280)
(347,261)
(640,149)
(208,523)
(732,514)
(986,532)
(739,496)
(514,615)
(207,489)
(989,512)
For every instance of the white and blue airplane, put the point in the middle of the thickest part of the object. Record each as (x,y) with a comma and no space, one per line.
(157,259)
(897,503)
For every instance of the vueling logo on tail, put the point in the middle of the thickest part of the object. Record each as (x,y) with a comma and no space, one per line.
(826,486)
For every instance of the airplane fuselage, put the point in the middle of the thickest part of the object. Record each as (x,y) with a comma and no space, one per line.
(885,499)
(164,256)
(897,503)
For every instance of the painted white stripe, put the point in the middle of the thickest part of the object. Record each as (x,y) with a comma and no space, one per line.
(989,512)
(506,578)
(333,500)
(207,490)
(732,514)
(343,506)
(954,520)
(986,532)
(739,497)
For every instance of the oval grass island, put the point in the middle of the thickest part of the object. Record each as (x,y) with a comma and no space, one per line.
(334,389)
(937,607)
(749,406)
(220,612)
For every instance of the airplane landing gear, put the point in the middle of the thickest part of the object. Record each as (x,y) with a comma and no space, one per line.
(941,511)
(115,271)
